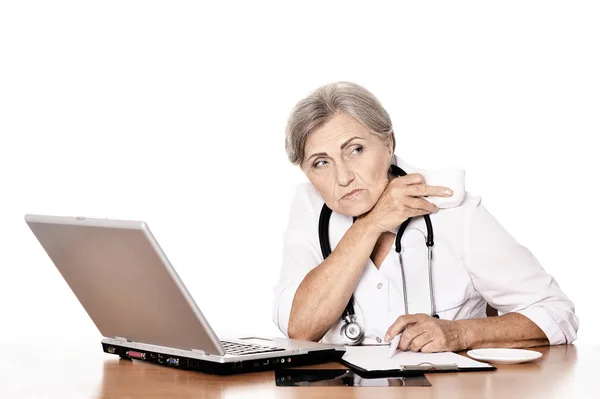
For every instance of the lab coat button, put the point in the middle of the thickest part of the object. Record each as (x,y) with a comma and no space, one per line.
(378,340)
(379,286)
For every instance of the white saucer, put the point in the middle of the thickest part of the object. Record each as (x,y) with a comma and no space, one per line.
(504,356)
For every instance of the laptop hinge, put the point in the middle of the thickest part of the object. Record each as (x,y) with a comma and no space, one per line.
(121,339)
(201,352)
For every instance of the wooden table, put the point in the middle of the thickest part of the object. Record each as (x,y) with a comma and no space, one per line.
(563,372)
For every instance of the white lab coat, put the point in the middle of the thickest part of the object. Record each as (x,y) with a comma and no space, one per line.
(475,260)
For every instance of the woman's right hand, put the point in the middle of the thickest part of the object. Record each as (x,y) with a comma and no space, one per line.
(403,199)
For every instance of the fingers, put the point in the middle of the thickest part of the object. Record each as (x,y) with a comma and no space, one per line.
(431,347)
(400,324)
(409,336)
(420,341)
(413,185)
(413,178)
(419,206)
(423,190)
(403,199)
(420,333)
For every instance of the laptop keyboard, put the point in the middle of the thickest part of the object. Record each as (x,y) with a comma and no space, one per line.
(234,348)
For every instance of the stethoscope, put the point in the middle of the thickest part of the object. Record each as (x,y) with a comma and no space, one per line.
(352,331)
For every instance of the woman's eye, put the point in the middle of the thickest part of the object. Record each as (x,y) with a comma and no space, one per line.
(357,149)
(318,164)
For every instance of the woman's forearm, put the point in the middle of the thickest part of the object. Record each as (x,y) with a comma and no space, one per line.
(512,330)
(326,290)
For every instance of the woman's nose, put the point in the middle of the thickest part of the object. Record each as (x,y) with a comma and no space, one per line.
(344,175)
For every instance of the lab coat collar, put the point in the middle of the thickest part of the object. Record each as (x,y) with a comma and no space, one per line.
(396,160)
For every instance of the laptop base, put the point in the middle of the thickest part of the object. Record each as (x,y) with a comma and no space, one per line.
(228,368)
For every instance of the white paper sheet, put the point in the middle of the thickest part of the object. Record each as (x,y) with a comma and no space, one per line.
(372,358)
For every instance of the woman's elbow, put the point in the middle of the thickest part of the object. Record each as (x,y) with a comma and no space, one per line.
(294,332)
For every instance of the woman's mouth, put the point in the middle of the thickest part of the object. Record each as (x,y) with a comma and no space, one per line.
(353,194)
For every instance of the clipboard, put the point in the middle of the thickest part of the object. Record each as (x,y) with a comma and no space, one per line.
(363,361)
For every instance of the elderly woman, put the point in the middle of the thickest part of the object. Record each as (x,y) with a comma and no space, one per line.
(342,139)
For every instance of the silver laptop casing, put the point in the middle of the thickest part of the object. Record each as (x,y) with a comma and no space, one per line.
(133,294)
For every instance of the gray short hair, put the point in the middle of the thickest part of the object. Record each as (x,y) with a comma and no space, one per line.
(323,104)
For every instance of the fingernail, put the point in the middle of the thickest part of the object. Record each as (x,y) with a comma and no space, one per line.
(449,192)
(386,338)
(437,209)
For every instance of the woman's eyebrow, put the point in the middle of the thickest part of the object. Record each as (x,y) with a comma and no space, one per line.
(344,144)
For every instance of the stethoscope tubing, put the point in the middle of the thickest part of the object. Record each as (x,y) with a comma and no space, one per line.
(325,216)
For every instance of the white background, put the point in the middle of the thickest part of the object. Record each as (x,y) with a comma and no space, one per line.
(174,113)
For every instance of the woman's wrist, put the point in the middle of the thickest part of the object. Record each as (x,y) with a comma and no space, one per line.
(468,337)
(370,229)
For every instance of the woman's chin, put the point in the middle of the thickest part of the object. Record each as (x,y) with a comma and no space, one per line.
(355,208)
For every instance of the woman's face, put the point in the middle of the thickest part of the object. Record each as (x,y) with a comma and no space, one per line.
(347,164)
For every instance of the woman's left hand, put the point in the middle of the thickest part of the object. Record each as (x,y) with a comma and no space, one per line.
(423,333)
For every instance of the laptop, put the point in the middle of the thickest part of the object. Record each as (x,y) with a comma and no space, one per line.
(125,282)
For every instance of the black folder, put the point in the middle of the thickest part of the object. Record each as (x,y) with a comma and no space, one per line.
(416,369)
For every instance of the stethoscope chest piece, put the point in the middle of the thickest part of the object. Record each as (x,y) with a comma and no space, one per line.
(352,332)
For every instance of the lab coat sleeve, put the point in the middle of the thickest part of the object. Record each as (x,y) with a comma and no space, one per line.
(511,279)
(301,253)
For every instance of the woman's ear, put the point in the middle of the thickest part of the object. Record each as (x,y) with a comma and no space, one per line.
(390,145)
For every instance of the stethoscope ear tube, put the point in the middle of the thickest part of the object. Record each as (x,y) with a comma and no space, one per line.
(324,231)
(397,171)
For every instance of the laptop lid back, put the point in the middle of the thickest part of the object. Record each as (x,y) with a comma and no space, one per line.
(124,281)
